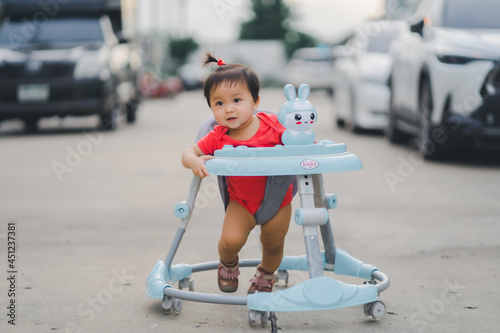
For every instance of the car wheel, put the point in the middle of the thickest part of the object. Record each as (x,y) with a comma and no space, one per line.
(427,141)
(340,122)
(353,127)
(352,124)
(132,111)
(393,134)
(30,125)
(111,120)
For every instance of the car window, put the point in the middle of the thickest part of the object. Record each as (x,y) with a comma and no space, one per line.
(471,14)
(22,32)
(435,11)
(380,42)
(423,8)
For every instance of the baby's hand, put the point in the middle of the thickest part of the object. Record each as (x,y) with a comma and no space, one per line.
(198,166)
(194,159)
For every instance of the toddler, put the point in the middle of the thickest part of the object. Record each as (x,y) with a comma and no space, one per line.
(232,93)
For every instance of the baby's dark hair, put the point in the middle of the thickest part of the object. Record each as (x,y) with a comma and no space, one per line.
(231,74)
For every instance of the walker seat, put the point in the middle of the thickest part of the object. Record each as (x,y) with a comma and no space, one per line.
(308,161)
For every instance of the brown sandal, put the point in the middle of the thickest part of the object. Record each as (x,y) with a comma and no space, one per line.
(227,276)
(263,281)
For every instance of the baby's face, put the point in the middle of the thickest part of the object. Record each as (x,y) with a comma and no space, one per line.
(300,120)
(232,105)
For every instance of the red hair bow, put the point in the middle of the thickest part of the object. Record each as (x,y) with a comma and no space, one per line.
(221,62)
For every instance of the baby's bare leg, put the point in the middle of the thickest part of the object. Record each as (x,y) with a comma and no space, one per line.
(272,236)
(238,223)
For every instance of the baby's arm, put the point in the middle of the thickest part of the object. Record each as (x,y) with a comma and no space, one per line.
(194,159)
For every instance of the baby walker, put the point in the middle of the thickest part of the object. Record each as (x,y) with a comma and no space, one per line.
(300,156)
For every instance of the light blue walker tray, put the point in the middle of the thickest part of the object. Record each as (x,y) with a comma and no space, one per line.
(323,157)
(299,156)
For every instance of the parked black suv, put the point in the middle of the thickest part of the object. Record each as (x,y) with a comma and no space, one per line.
(66,61)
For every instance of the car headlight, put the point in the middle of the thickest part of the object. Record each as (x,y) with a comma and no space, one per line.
(491,85)
(456,59)
(90,67)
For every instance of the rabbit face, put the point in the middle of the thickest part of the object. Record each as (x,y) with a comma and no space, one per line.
(297,113)
(300,120)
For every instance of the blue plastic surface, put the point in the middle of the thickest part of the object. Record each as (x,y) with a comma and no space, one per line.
(306,216)
(158,278)
(179,272)
(157,281)
(332,201)
(345,264)
(321,293)
(322,157)
(298,263)
(181,210)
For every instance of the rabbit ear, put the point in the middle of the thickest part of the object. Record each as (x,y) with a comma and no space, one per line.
(289,92)
(304,91)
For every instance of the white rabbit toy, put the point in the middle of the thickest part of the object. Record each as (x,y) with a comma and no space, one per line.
(297,115)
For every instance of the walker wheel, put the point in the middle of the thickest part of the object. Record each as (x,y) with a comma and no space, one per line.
(254,316)
(186,283)
(282,275)
(177,305)
(375,310)
(171,304)
(371,282)
(166,303)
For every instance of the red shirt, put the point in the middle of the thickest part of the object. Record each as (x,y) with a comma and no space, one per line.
(248,190)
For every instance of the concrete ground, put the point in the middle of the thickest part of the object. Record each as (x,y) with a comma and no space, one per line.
(92,214)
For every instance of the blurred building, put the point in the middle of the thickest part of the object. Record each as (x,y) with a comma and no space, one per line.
(266,57)
(153,23)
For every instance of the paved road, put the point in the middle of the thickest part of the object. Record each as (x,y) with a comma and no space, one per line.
(92,214)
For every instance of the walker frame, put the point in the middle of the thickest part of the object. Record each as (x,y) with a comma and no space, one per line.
(308,163)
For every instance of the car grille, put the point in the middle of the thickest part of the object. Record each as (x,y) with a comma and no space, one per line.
(58,93)
(491,85)
(49,70)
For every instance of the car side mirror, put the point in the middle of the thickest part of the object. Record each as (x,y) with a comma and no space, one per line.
(417,27)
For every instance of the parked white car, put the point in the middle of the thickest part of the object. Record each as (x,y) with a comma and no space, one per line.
(311,65)
(445,81)
(360,77)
